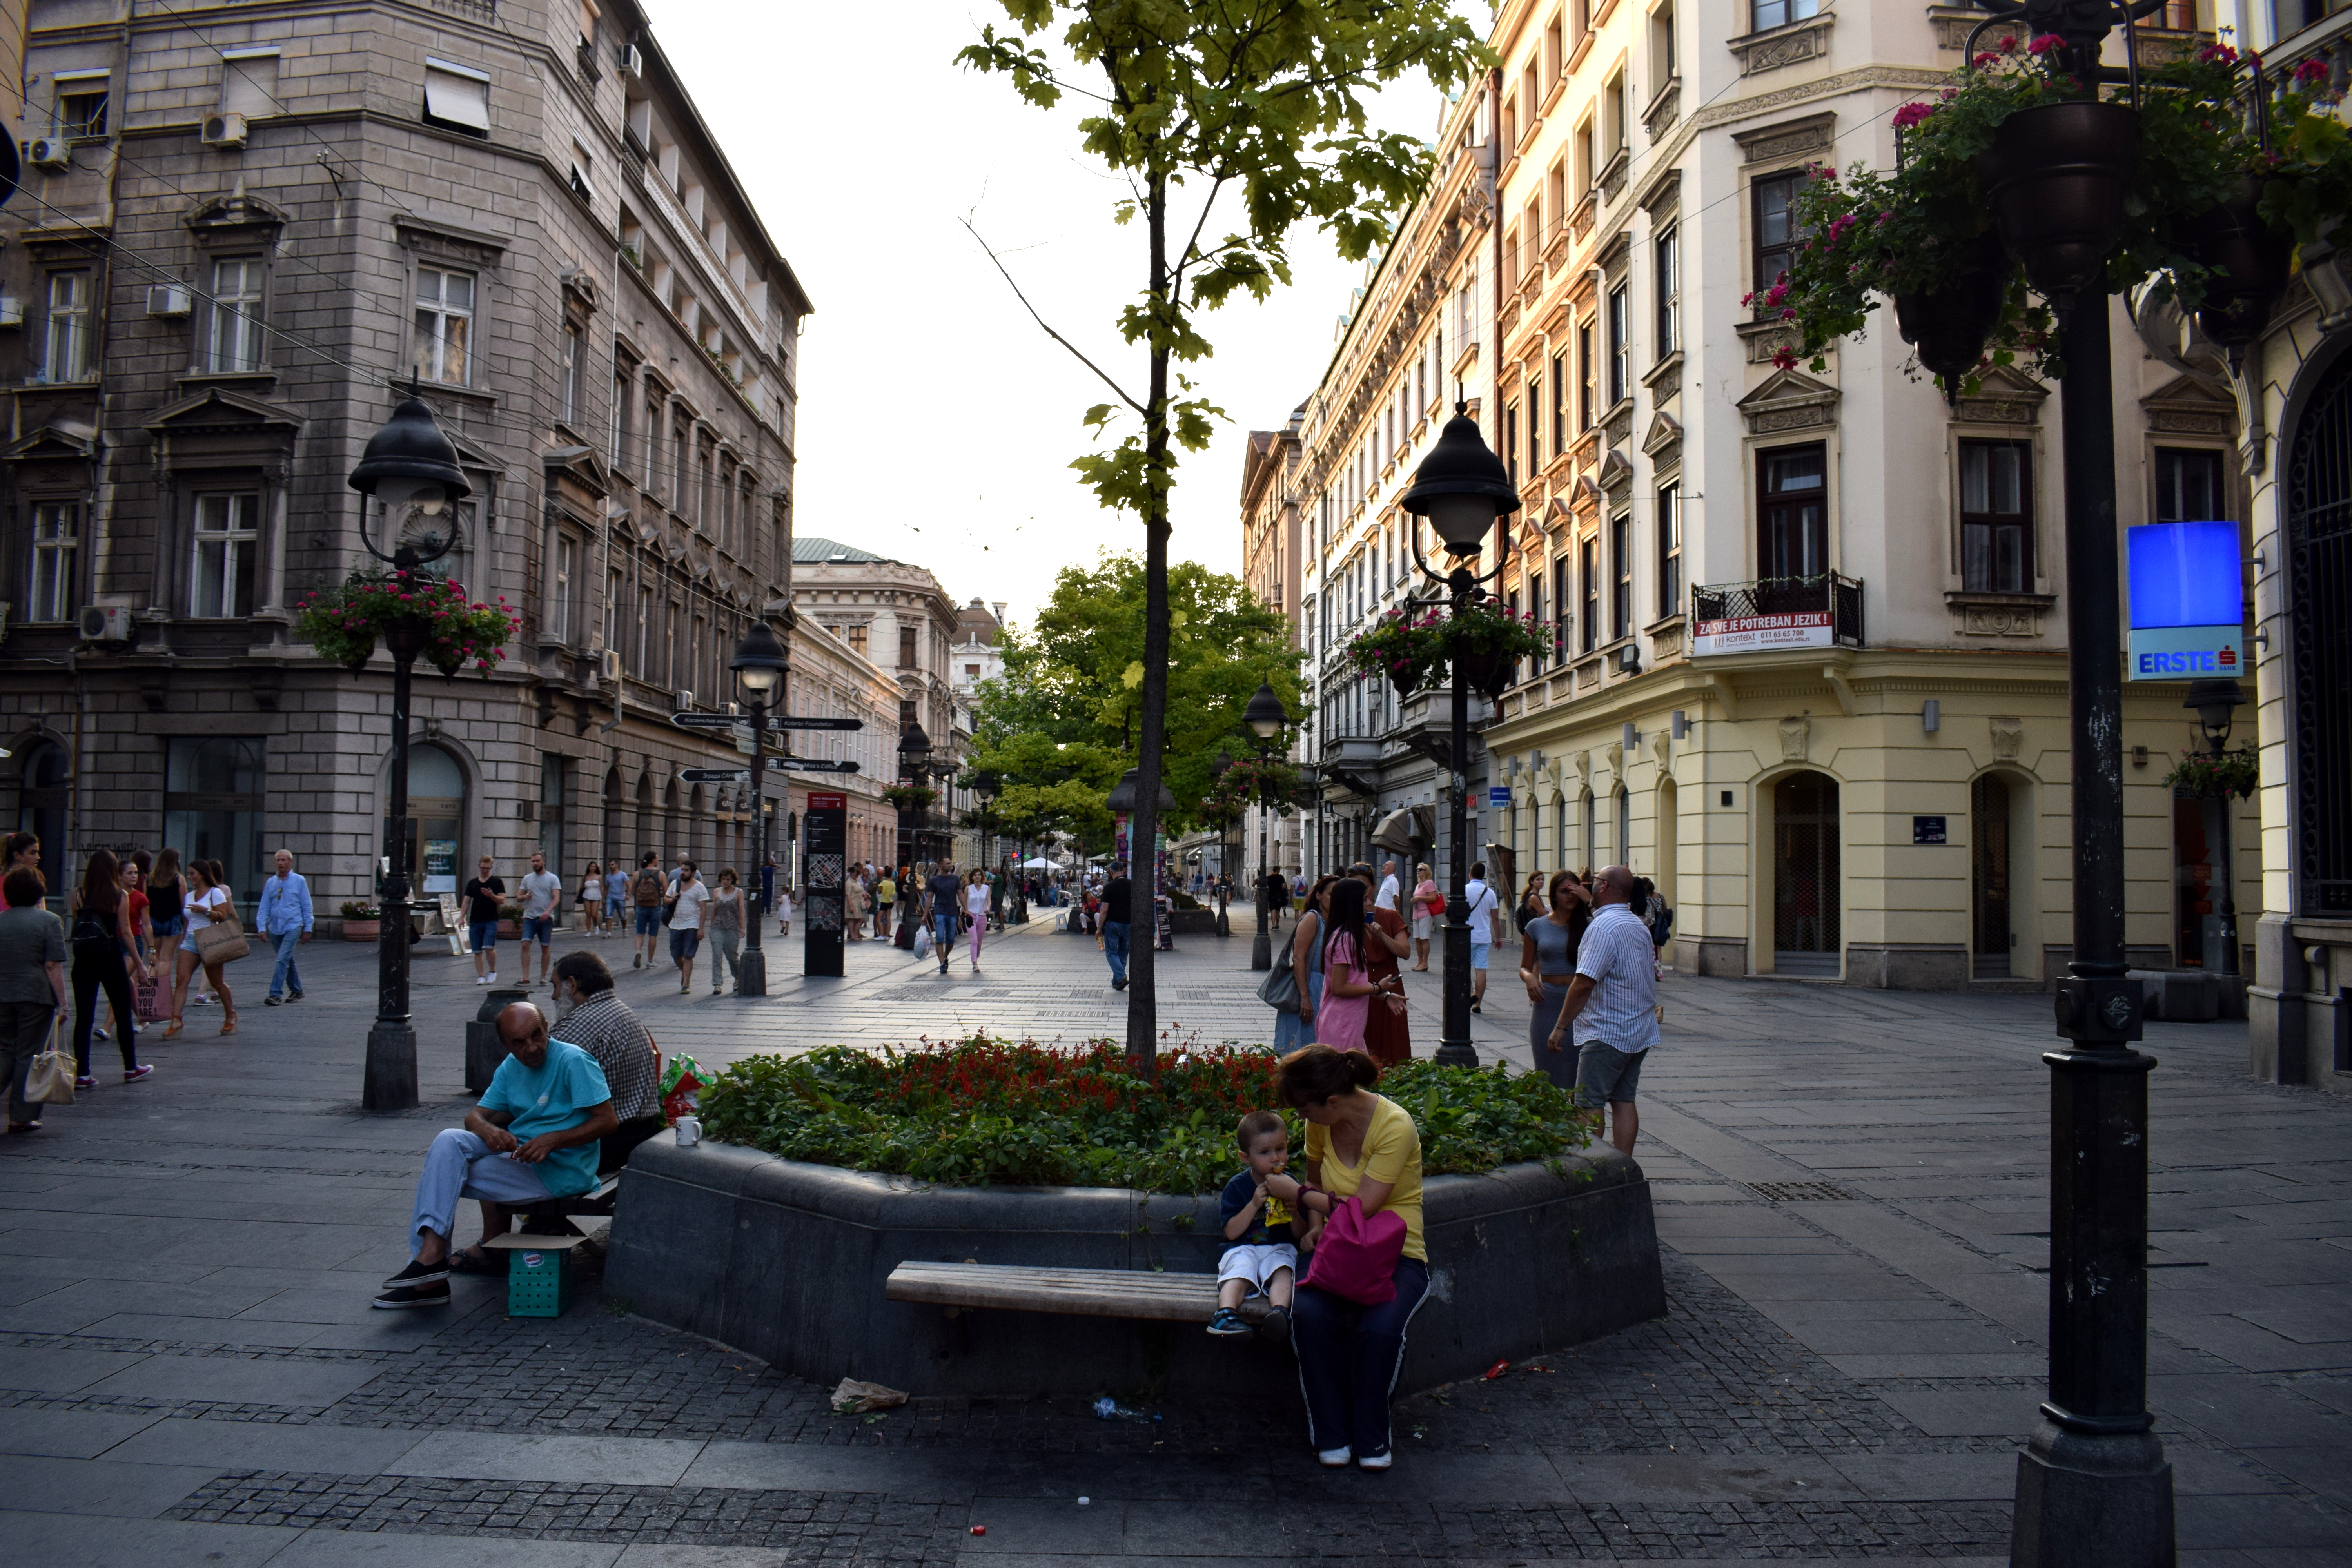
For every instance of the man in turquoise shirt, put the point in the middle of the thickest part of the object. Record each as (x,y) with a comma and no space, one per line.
(532,1137)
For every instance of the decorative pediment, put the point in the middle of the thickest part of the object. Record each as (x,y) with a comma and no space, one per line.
(236,210)
(221,411)
(2191,405)
(60,440)
(1789,400)
(1616,469)
(577,473)
(1555,513)
(2004,395)
(580,289)
(1665,431)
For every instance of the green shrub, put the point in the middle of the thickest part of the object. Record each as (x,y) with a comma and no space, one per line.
(982,1109)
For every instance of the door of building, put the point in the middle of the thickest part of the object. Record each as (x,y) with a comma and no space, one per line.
(1989,877)
(1806,939)
(2320,584)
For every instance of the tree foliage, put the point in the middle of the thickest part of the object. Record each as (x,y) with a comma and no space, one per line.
(1060,726)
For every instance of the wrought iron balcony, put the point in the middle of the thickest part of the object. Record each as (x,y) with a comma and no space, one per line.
(1773,613)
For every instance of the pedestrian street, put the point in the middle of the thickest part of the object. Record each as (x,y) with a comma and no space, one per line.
(1850,1186)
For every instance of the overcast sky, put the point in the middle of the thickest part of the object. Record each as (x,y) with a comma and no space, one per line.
(937,423)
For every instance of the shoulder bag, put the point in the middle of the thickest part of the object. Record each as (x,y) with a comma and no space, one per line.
(50,1079)
(1356,1255)
(1279,990)
(222,940)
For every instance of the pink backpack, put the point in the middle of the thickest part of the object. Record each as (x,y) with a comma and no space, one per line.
(1357,1255)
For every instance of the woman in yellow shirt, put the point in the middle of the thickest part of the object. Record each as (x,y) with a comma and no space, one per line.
(1366,1147)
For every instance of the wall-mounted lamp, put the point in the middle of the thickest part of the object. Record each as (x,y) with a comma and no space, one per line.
(1630,735)
(2139,756)
(1680,724)
(1931,715)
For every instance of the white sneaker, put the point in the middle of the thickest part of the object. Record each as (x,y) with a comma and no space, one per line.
(493,980)
(1376,1461)
(1335,1458)
(481,980)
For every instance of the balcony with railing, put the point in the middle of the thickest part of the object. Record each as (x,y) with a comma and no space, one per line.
(1776,613)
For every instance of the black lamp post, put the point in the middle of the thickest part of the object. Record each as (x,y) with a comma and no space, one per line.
(2094,1484)
(2214,701)
(1217,771)
(985,786)
(1462,488)
(915,764)
(759,666)
(1265,718)
(411,470)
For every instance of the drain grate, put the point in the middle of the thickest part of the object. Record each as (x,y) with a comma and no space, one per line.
(1802,1192)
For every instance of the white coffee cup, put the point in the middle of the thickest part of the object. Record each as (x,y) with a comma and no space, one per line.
(689,1131)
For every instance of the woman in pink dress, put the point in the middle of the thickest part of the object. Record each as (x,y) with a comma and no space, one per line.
(1348,986)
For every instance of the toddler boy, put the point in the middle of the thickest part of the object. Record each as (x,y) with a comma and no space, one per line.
(1261,1253)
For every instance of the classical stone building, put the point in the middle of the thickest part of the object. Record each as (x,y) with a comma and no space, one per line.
(830,679)
(242,230)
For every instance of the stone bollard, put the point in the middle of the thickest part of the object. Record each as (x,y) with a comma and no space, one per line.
(484,1051)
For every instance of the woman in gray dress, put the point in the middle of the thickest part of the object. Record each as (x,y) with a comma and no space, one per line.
(1547,964)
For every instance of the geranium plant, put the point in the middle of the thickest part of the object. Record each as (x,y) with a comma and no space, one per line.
(1413,643)
(910,797)
(1921,234)
(2216,775)
(1246,783)
(344,623)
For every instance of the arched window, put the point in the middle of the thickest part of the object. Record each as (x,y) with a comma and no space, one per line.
(436,818)
(41,801)
(1622,849)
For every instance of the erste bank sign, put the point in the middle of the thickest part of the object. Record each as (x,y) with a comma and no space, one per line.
(2188,611)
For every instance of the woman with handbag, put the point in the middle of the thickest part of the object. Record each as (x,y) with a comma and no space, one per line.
(1371,1269)
(1295,987)
(32,994)
(1386,1034)
(102,935)
(209,909)
(1428,910)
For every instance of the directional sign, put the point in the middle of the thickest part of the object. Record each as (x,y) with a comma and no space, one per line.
(775,722)
(714,776)
(812,765)
(783,721)
(705,721)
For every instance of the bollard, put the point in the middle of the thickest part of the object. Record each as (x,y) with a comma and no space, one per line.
(483,1050)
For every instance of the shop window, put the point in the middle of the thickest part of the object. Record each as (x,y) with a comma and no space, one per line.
(213,801)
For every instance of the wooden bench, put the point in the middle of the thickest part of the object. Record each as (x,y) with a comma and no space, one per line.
(597,1200)
(1078,1292)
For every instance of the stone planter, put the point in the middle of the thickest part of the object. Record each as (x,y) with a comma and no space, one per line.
(509,930)
(788,1261)
(363,930)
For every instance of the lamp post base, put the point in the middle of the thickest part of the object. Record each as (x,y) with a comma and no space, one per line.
(751,973)
(2084,1497)
(391,1079)
(1262,946)
(1462,1055)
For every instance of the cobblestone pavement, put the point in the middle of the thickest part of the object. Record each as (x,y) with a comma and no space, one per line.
(1851,1186)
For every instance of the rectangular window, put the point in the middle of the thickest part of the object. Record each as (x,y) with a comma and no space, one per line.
(568,392)
(906,648)
(857,635)
(1780,13)
(1585,413)
(1774,230)
(66,347)
(1617,116)
(567,562)
(445,325)
(583,169)
(1535,605)
(1589,565)
(227,539)
(457,97)
(620,436)
(645,660)
(1511,442)
(233,320)
(612,592)
(1792,518)
(1621,560)
(653,439)
(672,665)
(81,106)
(1670,549)
(2189,485)
(1562,585)
(681,440)
(1669,287)
(249,82)
(1558,404)
(1661,48)
(1620,345)
(1996,517)
(57,530)
(1535,424)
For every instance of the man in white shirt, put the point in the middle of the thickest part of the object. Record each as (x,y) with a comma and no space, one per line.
(1483,904)
(685,922)
(540,889)
(1617,975)
(1387,899)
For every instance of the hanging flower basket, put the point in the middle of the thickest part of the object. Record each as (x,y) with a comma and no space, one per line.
(415,614)
(2247,267)
(1416,645)
(2058,177)
(1949,323)
(910,797)
(2210,775)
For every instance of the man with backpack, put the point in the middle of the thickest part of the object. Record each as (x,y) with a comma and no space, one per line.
(646,894)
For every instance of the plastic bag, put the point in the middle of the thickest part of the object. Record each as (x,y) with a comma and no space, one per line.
(681,1086)
(923,942)
(852,1397)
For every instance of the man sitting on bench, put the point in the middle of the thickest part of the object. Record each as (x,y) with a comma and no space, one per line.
(533,1137)
(601,1024)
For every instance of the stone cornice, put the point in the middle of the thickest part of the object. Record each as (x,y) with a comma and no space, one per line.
(1858,80)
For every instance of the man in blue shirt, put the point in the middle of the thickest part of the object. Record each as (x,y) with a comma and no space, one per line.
(285,919)
(532,1137)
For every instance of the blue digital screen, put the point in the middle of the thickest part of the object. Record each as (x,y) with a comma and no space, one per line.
(2185,574)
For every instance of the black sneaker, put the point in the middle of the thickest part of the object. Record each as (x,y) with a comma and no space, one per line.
(432,1295)
(1227,1324)
(269,1001)
(293,996)
(1119,984)
(419,1273)
(1277,1326)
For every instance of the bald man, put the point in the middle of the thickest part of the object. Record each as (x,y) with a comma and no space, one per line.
(532,1137)
(1612,1005)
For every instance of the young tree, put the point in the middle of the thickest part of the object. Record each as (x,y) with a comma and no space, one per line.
(1240,116)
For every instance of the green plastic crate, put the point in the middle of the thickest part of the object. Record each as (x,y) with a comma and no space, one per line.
(536,1280)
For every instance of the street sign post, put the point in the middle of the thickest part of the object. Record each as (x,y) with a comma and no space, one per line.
(826,827)
(775,722)
(714,776)
(815,765)
(787,722)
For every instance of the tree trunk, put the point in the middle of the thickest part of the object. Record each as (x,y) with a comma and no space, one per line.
(1143,999)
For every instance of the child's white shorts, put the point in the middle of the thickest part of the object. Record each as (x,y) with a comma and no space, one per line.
(1257,1265)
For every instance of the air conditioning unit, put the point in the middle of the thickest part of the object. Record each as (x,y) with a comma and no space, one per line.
(527,809)
(50,152)
(633,62)
(610,666)
(1629,659)
(105,622)
(685,702)
(169,299)
(226,130)
(12,311)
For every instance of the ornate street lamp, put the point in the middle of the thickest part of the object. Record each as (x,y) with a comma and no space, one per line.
(2214,701)
(411,470)
(1265,718)
(985,787)
(1462,488)
(915,762)
(759,664)
(2092,1484)
(1217,772)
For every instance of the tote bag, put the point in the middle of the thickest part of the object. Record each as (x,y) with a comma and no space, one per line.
(223,939)
(1357,1257)
(50,1079)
